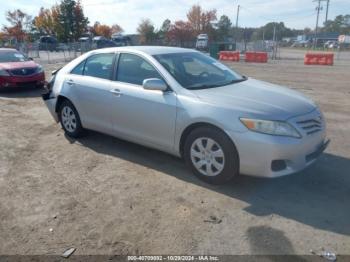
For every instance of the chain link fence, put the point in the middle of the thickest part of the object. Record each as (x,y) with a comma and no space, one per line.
(52,53)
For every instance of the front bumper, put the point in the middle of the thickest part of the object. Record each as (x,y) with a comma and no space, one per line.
(258,152)
(22,81)
(273,156)
(50,103)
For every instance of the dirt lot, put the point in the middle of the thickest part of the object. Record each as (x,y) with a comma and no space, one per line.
(105,196)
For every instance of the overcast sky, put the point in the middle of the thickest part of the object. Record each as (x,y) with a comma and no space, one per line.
(128,13)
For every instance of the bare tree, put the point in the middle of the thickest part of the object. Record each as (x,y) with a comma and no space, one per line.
(146,31)
(19,24)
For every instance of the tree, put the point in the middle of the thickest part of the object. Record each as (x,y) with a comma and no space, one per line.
(163,31)
(116,29)
(80,22)
(268,30)
(224,27)
(46,22)
(19,24)
(102,30)
(181,32)
(201,20)
(340,24)
(72,19)
(194,18)
(146,31)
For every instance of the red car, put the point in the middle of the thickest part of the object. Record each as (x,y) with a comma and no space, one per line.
(17,70)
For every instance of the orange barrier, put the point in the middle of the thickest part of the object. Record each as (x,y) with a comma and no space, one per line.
(229,56)
(319,59)
(256,57)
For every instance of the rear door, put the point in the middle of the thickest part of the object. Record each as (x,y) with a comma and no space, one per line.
(89,87)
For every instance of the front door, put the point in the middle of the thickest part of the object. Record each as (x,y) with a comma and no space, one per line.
(144,116)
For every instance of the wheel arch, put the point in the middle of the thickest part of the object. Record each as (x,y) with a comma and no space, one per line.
(60,100)
(194,126)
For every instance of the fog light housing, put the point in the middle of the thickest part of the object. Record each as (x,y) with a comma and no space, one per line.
(278,165)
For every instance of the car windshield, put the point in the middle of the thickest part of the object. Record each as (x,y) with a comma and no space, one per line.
(194,70)
(12,56)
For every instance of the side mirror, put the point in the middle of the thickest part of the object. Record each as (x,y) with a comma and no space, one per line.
(30,58)
(154,84)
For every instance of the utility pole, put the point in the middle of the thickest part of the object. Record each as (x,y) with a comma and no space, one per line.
(274,41)
(327,10)
(236,35)
(318,8)
(237,15)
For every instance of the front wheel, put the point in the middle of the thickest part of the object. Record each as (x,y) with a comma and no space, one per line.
(70,120)
(211,155)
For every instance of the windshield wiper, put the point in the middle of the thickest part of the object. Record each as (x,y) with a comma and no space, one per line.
(205,86)
(235,81)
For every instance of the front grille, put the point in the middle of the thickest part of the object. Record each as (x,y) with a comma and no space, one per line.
(311,126)
(27,84)
(23,71)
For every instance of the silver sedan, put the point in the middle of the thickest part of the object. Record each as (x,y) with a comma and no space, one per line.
(187,104)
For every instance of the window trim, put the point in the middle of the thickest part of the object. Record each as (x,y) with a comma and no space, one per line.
(86,59)
(115,76)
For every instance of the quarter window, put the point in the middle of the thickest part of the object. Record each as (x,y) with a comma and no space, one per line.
(134,69)
(79,69)
(99,66)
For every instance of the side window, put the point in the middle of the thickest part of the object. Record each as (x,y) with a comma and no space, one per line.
(134,69)
(78,70)
(99,66)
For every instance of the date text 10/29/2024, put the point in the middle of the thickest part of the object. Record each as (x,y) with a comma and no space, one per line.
(173,258)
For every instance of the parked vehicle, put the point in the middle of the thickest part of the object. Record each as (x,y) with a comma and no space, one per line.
(187,104)
(17,70)
(302,43)
(121,40)
(102,42)
(48,43)
(331,44)
(202,42)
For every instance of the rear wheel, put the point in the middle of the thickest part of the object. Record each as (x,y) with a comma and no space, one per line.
(70,120)
(211,155)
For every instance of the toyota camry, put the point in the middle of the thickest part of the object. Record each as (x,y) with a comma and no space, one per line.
(187,104)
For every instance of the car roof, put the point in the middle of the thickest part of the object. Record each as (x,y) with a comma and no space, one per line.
(8,49)
(151,50)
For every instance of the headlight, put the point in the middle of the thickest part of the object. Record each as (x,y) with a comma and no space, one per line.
(39,69)
(277,128)
(4,73)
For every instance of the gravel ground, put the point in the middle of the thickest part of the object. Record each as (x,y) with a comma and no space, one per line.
(102,195)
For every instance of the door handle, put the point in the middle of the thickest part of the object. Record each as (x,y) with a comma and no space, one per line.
(116,92)
(70,82)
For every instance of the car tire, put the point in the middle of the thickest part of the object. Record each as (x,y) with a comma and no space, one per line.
(70,120)
(216,161)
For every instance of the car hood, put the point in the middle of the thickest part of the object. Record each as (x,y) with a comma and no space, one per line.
(253,98)
(17,65)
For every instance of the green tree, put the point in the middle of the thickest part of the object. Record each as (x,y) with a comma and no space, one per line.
(268,30)
(340,24)
(224,27)
(72,19)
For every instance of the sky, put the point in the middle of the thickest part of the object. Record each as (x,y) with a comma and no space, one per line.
(253,13)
